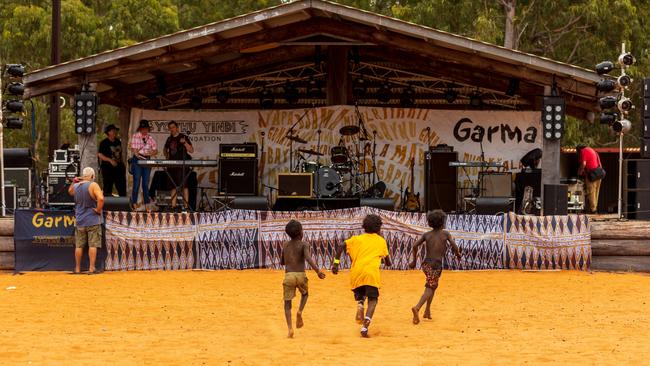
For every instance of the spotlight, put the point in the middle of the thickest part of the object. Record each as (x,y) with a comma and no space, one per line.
(621,126)
(607,102)
(408,97)
(450,95)
(266,98)
(475,99)
(624,81)
(607,118)
(626,59)
(223,95)
(15,70)
(290,93)
(14,105)
(359,87)
(606,85)
(383,95)
(196,100)
(16,88)
(13,122)
(604,67)
(625,104)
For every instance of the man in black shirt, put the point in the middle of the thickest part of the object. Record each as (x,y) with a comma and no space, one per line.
(112,167)
(178,147)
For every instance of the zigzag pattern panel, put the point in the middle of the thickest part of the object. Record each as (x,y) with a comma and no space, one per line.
(146,241)
(548,242)
(228,240)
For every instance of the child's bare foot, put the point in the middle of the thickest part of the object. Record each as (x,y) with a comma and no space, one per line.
(416,317)
(427,314)
(290,333)
(299,322)
(359,316)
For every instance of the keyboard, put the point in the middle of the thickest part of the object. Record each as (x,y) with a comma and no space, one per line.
(152,163)
(475,164)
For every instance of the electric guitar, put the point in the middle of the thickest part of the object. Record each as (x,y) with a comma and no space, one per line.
(412,203)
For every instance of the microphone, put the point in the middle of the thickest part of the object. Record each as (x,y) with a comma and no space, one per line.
(262,133)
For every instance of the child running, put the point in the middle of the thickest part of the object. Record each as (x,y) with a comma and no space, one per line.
(294,254)
(366,252)
(436,241)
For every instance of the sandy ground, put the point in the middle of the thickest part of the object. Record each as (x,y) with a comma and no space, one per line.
(236,318)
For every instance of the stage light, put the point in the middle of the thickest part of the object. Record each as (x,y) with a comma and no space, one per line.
(624,104)
(223,95)
(621,126)
(626,60)
(14,122)
(475,99)
(513,86)
(16,88)
(85,112)
(624,81)
(359,87)
(607,118)
(383,94)
(196,100)
(553,117)
(450,95)
(14,106)
(606,85)
(604,67)
(291,94)
(408,97)
(15,70)
(266,98)
(607,102)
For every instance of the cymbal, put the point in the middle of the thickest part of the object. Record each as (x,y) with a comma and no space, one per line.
(310,152)
(349,130)
(296,139)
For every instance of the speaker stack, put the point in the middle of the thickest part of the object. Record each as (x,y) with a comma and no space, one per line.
(238,169)
(440,180)
(636,188)
(645,128)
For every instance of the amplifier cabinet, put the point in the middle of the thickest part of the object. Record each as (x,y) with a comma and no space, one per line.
(295,185)
(238,177)
(57,190)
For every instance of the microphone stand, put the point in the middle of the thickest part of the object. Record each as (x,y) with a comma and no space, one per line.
(375,177)
(262,164)
(289,135)
(362,128)
(317,171)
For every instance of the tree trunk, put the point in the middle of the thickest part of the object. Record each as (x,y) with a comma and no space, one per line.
(509,9)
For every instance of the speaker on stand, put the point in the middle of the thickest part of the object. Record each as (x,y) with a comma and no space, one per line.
(440,181)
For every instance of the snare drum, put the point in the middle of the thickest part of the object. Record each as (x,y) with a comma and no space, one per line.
(339,154)
(309,167)
(342,168)
(327,182)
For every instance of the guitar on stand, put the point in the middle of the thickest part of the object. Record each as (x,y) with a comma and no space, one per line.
(411,203)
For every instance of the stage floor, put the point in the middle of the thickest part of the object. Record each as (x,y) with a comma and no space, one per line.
(236,317)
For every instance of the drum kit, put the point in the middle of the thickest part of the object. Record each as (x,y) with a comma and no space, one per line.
(344,176)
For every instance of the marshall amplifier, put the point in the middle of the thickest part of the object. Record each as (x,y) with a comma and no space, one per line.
(238,151)
(238,177)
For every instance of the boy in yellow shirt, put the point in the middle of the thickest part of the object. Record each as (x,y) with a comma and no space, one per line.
(366,252)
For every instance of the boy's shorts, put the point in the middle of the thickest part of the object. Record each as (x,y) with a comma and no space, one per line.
(365,291)
(432,271)
(293,281)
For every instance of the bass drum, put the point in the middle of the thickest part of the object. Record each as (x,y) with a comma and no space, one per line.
(327,182)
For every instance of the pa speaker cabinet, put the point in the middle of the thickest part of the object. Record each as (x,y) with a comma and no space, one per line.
(250,203)
(440,181)
(637,204)
(295,185)
(495,184)
(380,203)
(636,174)
(555,199)
(57,191)
(112,203)
(494,205)
(645,148)
(238,177)
(645,133)
(10,197)
(22,179)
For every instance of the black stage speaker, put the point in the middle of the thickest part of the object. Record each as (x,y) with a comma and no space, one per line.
(117,204)
(238,177)
(636,174)
(250,203)
(17,158)
(57,191)
(440,181)
(555,199)
(493,205)
(10,197)
(527,178)
(295,185)
(645,147)
(645,133)
(637,204)
(380,203)
(496,184)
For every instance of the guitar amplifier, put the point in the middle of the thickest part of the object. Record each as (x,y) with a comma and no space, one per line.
(238,151)
(295,185)
(238,177)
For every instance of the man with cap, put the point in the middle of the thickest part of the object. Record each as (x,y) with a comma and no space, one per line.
(88,204)
(112,167)
(143,147)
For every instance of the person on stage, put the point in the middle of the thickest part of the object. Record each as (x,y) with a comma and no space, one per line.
(143,147)
(591,169)
(112,167)
(88,205)
(178,147)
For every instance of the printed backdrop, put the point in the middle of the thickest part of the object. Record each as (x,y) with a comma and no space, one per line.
(401,135)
